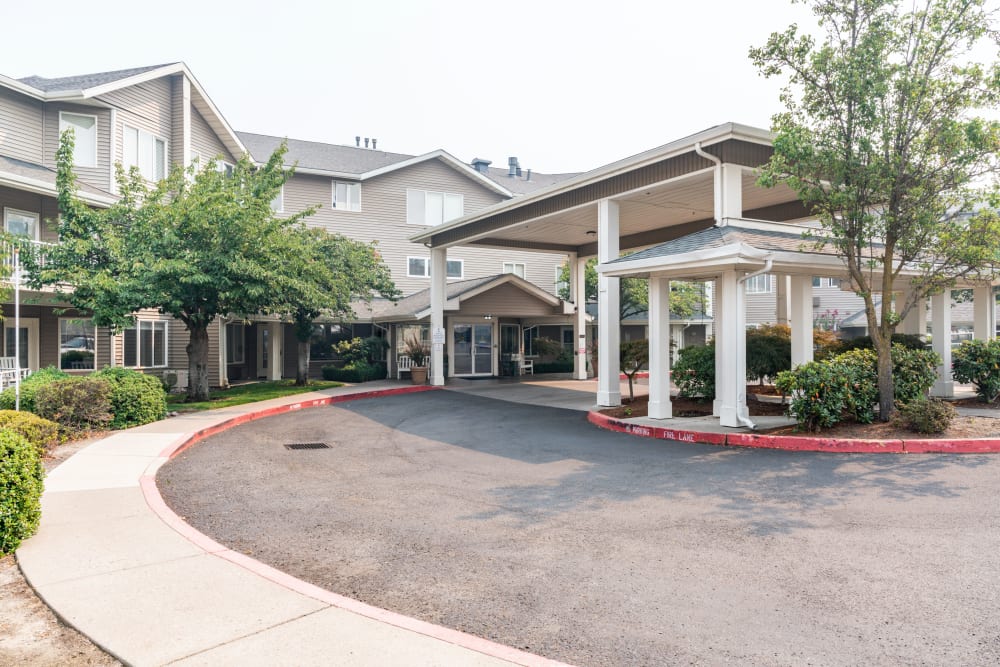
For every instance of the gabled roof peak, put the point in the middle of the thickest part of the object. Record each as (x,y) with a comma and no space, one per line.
(85,81)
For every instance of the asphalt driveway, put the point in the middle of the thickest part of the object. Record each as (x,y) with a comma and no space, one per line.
(528,526)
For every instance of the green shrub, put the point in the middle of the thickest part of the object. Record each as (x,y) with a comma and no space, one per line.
(769,351)
(76,403)
(978,362)
(694,371)
(29,386)
(914,372)
(358,351)
(356,372)
(819,393)
(136,398)
(926,415)
(911,341)
(554,366)
(20,490)
(42,433)
(859,369)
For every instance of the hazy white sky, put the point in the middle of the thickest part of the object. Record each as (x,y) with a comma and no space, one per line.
(563,85)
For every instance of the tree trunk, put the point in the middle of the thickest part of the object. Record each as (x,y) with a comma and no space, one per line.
(886,390)
(198,374)
(302,374)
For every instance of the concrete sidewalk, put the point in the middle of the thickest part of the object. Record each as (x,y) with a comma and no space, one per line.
(107,562)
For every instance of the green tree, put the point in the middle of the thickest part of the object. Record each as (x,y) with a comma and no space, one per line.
(197,246)
(332,271)
(880,139)
(686,299)
(634,355)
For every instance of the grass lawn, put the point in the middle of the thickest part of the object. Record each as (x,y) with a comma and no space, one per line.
(246,393)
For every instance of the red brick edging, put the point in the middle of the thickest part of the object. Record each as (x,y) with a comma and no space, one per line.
(800,443)
(155,501)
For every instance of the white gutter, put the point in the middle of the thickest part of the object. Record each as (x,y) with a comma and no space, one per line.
(768,264)
(716,180)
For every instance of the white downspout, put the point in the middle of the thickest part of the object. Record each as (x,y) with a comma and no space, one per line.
(716,181)
(768,264)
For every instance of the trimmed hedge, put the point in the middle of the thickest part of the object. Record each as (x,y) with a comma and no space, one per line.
(358,372)
(136,398)
(29,386)
(694,371)
(42,433)
(20,490)
(927,415)
(911,341)
(554,367)
(76,403)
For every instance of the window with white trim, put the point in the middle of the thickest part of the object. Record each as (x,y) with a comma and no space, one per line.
(433,208)
(420,267)
(235,343)
(530,335)
(278,203)
(759,284)
(146,344)
(21,223)
(825,282)
(77,344)
(561,283)
(517,268)
(346,196)
(146,151)
(84,128)
(224,167)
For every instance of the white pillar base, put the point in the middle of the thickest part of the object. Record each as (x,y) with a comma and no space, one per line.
(941,342)
(943,389)
(659,349)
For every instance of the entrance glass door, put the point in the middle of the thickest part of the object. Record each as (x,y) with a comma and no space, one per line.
(473,349)
(510,348)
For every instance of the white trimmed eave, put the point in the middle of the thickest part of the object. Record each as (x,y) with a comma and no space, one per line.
(43,188)
(706,138)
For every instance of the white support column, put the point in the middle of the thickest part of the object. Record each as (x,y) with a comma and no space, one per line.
(439,283)
(578,267)
(659,349)
(941,332)
(730,352)
(984,313)
(915,322)
(732,191)
(276,360)
(718,326)
(801,320)
(782,298)
(223,366)
(608,311)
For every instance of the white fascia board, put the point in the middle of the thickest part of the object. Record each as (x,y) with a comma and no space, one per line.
(43,188)
(23,88)
(229,134)
(707,137)
(174,68)
(727,253)
(341,175)
(520,283)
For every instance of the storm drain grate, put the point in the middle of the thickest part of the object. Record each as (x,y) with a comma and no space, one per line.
(307,445)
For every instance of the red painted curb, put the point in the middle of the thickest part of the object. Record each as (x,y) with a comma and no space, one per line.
(797,443)
(657,432)
(155,501)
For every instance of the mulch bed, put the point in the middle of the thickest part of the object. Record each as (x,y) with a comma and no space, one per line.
(688,407)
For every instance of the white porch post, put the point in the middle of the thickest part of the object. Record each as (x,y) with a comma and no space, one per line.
(718,326)
(782,297)
(578,268)
(439,283)
(801,320)
(276,339)
(984,313)
(941,332)
(608,311)
(659,349)
(730,352)
(731,194)
(223,367)
(915,322)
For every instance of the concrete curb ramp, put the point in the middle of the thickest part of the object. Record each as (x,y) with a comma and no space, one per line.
(799,443)
(113,561)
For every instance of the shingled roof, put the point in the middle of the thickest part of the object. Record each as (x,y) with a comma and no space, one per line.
(85,81)
(521,184)
(317,155)
(37,172)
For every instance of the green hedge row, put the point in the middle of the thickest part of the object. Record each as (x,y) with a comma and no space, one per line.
(20,489)
(356,372)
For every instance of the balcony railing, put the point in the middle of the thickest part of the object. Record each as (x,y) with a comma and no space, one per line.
(37,249)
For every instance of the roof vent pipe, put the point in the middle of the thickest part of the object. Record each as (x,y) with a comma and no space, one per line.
(366,142)
(528,177)
(357,141)
(374,141)
(512,167)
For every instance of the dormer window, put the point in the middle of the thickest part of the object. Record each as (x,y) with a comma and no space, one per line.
(145,151)
(84,128)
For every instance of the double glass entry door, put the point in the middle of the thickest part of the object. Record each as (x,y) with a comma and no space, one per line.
(473,349)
